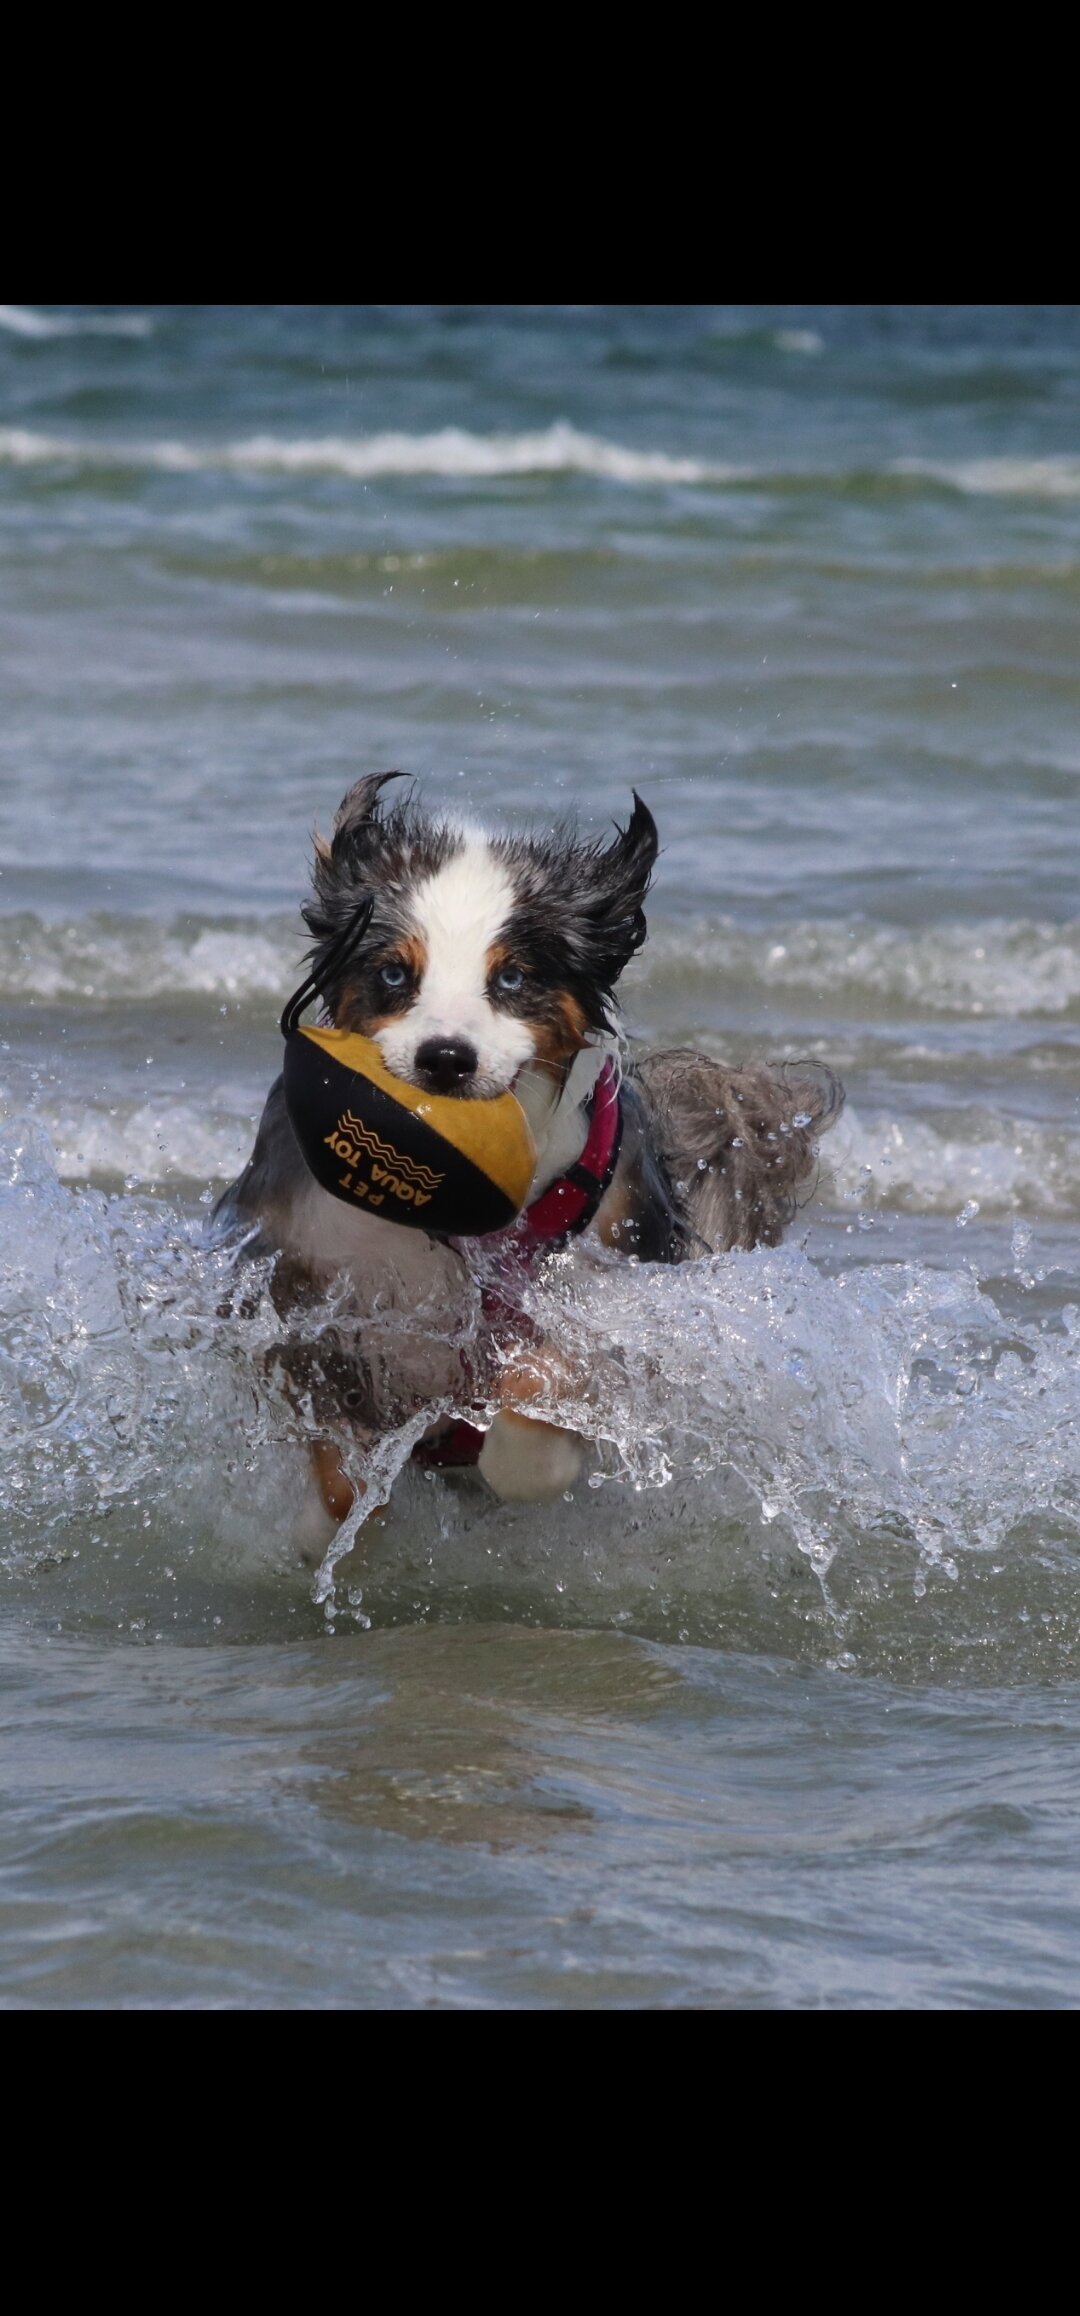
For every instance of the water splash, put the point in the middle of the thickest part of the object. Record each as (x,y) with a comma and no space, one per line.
(802,1460)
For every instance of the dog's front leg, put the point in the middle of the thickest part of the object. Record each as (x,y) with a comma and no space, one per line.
(337,1492)
(528,1461)
(525,1459)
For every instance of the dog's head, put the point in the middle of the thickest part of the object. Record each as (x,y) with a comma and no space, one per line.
(482,953)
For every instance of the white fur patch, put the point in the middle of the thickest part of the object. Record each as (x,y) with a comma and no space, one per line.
(390,1266)
(559,1121)
(459,913)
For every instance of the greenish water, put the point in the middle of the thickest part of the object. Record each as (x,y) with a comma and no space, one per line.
(476,1816)
(783,1708)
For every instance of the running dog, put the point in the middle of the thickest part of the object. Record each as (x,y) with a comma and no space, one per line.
(488,963)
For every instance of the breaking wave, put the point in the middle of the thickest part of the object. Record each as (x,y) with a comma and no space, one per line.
(456,453)
(1053,477)
(27,322)
(975,1162)
(182,1144)
(931,1160)
(452,452)
(1009,968)
(102,959)
(982,1164)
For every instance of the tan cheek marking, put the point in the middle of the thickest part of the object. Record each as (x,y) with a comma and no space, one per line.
(354,1012)
(413,953)
(350,1013)
(563,1033)
(574,1017)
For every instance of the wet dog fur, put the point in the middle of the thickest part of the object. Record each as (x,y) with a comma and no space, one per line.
(490,962)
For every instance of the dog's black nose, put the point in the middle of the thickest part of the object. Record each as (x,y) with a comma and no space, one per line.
(446,1063)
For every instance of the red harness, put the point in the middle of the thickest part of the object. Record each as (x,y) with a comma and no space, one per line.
(563,1210)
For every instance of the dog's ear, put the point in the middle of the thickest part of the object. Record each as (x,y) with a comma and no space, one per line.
(613,903)
(342,863)
(358,813)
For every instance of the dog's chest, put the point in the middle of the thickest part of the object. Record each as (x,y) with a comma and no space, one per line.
(390,1267)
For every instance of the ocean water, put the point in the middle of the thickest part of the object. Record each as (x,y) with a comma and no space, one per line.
(782,1706)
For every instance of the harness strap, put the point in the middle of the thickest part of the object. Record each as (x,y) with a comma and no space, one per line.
(456,1449)
(568,1205)
(562,1211)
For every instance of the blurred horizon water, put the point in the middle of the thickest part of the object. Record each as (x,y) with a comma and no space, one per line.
(809,579)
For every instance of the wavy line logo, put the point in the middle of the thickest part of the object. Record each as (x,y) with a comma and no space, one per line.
(365,1139)
(390,1174)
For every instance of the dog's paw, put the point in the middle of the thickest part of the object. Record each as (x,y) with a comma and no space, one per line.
(526,1461)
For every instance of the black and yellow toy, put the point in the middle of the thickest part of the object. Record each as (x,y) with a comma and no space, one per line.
(454,1167)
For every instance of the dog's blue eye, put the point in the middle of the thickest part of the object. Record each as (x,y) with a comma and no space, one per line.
(509,978)
(393,976)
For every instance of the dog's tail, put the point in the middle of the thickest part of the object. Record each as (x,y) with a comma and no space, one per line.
(737,1144)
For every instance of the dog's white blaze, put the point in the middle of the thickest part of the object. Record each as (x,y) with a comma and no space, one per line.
(459,913)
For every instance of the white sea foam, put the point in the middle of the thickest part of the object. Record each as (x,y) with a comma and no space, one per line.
(26,322)
(452,452)
(783,340)
(927,1163)
(458,454)
(148,1143)
(20,446)
(1052,477)
(102,960)
(558,449)
(1010,967)
(977,1162)
(914,1164)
